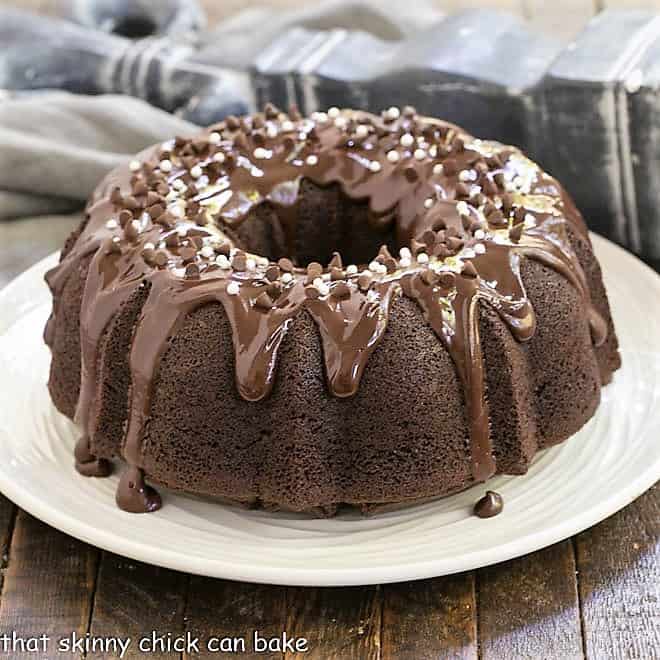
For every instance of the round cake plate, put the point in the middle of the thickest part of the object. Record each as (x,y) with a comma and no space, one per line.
(609,463)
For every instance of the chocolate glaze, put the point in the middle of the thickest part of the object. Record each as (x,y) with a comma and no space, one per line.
(491,504)
(134,495)
(465,211)
(87,464)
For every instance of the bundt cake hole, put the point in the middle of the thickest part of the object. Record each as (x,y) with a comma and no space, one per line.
(324,221)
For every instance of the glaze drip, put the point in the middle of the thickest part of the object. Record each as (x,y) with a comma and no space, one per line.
(466,212)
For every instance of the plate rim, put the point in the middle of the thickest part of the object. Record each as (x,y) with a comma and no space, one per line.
(139,550)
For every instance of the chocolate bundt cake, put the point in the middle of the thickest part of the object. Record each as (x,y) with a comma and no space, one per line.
(299,313)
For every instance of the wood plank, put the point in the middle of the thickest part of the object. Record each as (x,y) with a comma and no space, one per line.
(133,599)
(218,609)
(528,607)
(339,623)
(430,619)
(49,585)
(619,581)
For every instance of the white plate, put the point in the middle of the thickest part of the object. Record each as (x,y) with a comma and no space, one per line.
(610,462)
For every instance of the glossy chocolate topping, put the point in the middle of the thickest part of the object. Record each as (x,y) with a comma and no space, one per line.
(465,211)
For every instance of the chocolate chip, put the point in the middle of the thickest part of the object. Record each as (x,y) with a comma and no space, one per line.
(312,292)
(516,232)
(161,259)
(489,505)
(469,270)
(411,174)
(272,273)
(116,197)
(149,254)
(341,291)
(192,272)
(336,261)
(187,254)
(263,301)
(447,279)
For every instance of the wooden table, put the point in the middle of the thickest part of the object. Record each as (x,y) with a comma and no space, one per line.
(596,595)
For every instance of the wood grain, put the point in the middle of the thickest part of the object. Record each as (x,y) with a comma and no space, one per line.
(339,623)
(223,609)
(619,580)
(49,583)
(7,519)
(133,599)
(430,619)
(528,607)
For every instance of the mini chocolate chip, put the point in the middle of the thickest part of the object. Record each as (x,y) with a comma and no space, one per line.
(187,254)
(312,292)
(263,301)
(469,270)
(489,505)
(341,291)
(272,273)
(447,279)
(192,272)
(516,232)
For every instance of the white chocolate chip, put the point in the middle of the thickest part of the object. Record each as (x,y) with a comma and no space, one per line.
(351,270)
(480,234)
(223,262)
(420,154)
(286,278)
(287,126)
(340,122)
(393,156)
(260,153)
(149,246)
(214,137)
(438,169)
(374,166)
(407,140)
(112,224)
(422,258)
(165,165)
(219,157)
(233,288)
(393,113)
(405,253)
(479,248)
(362,131)
(134,165)
(207,252)
(464,175)
(271,131)
(428,202)
(195,171)
(333,112)
(312,159)
(463,208)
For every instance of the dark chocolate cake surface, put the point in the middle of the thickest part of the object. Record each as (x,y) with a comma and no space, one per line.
(301,313)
